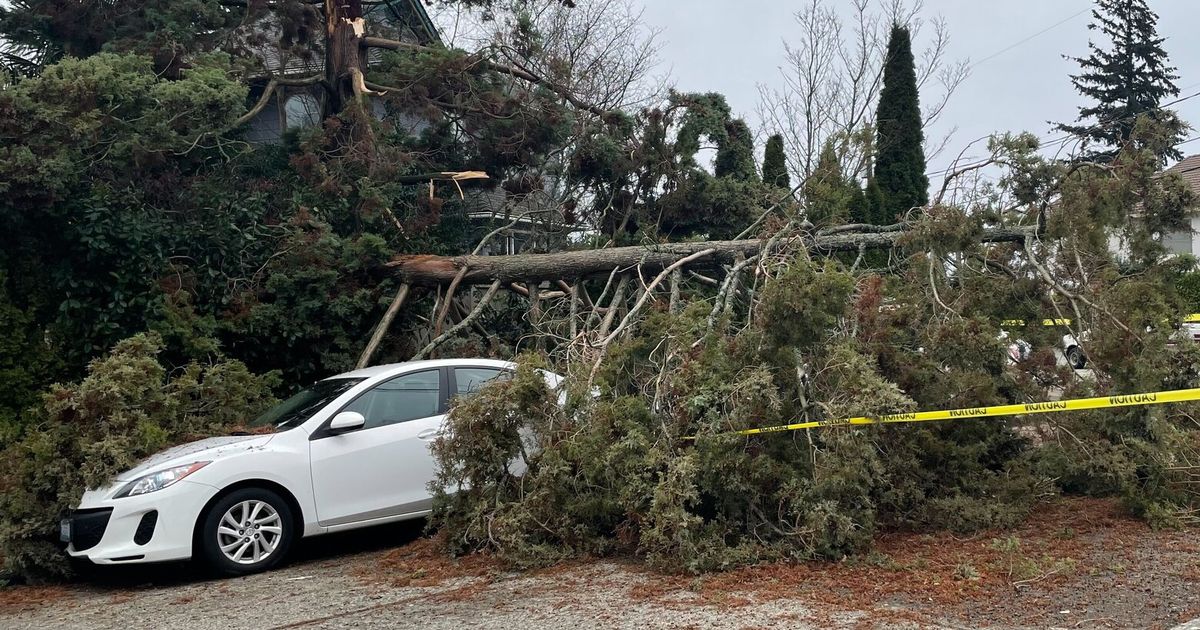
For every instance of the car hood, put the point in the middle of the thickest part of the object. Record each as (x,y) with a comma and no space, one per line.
(206,449)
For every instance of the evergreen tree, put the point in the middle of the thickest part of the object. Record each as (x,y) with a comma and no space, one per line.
(1126,81)
(830,197)
(900,159)
(870,207)
(735,155)
(774,168)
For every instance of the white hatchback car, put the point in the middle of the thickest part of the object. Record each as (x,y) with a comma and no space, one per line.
(348,452)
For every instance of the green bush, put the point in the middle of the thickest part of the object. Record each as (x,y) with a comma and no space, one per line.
(127,407)
(1187,285)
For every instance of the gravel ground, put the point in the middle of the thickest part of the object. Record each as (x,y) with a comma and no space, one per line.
(328,588)
(322,594)
(1086,565)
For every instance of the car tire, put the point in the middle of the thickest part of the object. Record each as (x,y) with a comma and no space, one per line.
(246,531)
(1075,357)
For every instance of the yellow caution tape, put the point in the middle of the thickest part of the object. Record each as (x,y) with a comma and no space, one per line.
(1076,404)
(1045,322)
(1193,318)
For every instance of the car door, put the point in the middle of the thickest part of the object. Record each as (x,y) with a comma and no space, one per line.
(382,469)
(467,380)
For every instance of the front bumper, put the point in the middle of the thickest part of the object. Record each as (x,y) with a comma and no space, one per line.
(154,527)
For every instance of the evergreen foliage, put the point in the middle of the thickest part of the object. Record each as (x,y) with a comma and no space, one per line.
(618,474)
(735,156)
(616,470)
(830,197)
(128,407)
(774,166)
(1123,81)
(130,202)
(900,158)
(649,180)
(166,31)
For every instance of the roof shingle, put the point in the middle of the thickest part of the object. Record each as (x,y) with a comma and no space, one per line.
(1189,169)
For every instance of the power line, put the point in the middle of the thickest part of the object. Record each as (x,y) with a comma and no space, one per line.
(1044,143)
(1102,124)
(1041,32)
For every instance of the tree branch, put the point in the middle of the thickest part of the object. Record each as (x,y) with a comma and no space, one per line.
(466,321)
(382,327)
(269,91)
(432,270)
(519,73)
(441,316)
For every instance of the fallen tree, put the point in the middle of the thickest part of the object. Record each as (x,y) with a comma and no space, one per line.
(429,270)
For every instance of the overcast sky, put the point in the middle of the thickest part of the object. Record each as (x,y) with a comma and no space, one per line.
(731,47)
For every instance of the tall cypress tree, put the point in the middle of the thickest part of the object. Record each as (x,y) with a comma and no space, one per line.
(1126,81)
(774,168)
(900,158)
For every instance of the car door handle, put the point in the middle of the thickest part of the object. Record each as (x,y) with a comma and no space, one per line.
(429,434)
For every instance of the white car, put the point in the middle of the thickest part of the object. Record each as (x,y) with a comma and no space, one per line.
(1186,331)
(1073,351)
(348,452)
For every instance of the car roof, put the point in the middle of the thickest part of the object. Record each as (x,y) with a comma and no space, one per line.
(392,368)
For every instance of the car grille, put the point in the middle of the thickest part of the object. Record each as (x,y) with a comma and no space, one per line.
(87,527)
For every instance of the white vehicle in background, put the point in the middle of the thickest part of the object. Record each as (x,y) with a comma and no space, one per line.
(1187,331)
(350,451)
(1073,352)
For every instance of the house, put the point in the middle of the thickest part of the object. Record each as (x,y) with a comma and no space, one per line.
(524,222)
(1186,242)
(1180,242)
(300,106)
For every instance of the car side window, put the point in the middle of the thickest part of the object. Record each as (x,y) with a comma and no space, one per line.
(403,398)
(469,380)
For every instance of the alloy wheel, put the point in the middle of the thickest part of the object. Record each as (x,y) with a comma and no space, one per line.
(249,532)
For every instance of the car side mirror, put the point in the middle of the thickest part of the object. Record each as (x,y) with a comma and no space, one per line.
(346,421)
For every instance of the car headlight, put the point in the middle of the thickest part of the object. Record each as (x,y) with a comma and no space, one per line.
(158,480)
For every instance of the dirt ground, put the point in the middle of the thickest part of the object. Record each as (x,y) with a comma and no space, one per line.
(1076,563)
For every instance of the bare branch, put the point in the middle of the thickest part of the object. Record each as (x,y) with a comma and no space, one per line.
(269,91)
(466,321)
(519,73)
(381,328)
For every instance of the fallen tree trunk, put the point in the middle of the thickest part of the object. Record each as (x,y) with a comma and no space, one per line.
(429,270)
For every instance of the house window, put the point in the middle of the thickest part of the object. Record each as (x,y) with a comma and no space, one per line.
(301,110)
(1178,242)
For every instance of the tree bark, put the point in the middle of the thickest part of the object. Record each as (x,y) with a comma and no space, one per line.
(429,270)
(345,58)
(381,328)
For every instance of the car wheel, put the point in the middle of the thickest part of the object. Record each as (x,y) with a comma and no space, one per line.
(1075,357)
(246,531)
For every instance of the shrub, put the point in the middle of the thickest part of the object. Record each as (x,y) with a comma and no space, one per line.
(126,408)
(1187,285)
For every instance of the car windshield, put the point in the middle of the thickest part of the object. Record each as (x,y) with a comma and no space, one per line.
(295,410)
